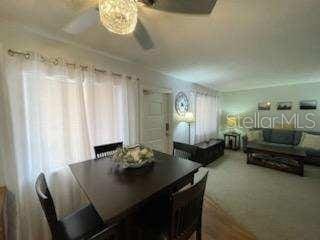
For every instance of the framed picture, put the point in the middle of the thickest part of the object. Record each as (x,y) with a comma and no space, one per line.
(308,104)
(264,106)
(284,106)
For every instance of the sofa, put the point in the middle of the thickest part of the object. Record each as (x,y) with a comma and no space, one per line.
(285,138)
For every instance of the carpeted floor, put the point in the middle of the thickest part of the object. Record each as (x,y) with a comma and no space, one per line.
(271,204)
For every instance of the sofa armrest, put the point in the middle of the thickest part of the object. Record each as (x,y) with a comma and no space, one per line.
(313,156)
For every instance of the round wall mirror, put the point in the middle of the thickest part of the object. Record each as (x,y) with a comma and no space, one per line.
(182,103)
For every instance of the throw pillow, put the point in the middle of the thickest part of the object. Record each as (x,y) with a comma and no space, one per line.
(255,135)
(310,141)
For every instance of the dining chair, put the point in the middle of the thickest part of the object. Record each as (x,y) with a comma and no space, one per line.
(184,150)
(84,224)
(107,150)
(184,217)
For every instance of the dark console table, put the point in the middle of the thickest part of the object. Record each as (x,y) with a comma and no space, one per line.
(209,151)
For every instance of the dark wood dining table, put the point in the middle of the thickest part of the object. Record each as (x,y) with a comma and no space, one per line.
(116,193)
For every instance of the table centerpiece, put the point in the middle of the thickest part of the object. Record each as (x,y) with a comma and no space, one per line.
(133,157)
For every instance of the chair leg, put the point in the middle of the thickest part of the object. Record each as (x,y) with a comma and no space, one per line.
(198,234)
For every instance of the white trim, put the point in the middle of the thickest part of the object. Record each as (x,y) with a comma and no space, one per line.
(269,86)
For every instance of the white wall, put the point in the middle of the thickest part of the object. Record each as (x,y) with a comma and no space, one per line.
(2,120)
(23,39)
(245,103)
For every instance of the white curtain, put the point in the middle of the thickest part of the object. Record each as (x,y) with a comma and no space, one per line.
(206,117)
(111,106)
(55,114)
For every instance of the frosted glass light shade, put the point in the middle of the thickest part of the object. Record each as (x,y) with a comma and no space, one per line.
(119,16)
(188,117)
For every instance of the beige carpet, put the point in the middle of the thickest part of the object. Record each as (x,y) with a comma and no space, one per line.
(271,204)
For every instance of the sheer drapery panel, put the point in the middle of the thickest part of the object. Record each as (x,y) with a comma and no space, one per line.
(54,115)
(206,117)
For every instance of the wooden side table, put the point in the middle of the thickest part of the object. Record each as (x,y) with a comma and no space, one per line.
(232,140)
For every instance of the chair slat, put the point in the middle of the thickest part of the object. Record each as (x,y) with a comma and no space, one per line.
(186,211)
(184,150)
(47,203)
(107,150)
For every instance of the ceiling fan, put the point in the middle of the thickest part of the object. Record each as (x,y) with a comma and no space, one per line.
(121,16)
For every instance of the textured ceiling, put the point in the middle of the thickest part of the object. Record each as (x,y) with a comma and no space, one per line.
(242,44)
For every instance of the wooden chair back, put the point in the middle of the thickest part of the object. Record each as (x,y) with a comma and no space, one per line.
(107,150)
(113,232)
(184,150)
(186,211)
(47,203)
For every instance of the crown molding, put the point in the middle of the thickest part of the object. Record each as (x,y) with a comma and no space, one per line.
(269,86)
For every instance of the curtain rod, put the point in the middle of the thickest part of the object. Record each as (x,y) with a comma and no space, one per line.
(27,55)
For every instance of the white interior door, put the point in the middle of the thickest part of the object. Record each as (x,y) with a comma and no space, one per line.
(155,121)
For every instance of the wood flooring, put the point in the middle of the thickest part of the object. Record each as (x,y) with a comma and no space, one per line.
(219,225)
(2,201)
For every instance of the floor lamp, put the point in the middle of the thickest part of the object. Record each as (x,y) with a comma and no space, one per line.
(188,118)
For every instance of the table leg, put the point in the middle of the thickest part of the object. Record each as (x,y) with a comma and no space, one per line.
(248,156)
(301,166)
(132,231)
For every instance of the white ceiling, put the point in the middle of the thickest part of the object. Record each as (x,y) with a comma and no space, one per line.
(243,43)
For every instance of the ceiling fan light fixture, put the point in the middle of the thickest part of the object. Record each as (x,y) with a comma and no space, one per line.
(119,16)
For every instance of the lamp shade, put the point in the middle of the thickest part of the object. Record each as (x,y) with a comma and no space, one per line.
(231,121)
(188,117)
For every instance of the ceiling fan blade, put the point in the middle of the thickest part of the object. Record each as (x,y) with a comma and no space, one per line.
(185,6)
(142,36)
(85,20)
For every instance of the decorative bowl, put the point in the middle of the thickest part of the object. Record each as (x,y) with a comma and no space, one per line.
(133,157)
